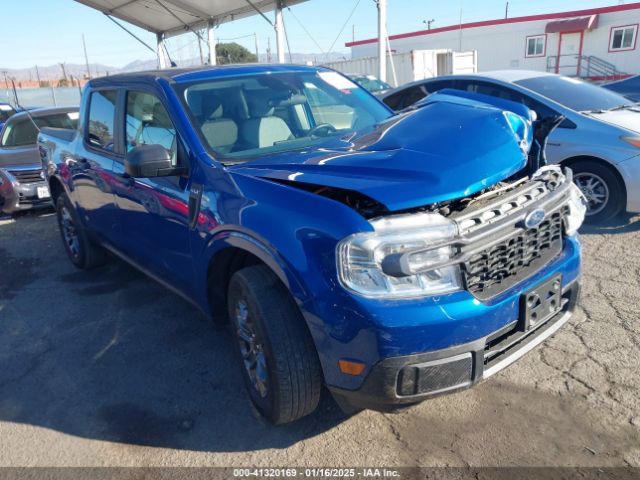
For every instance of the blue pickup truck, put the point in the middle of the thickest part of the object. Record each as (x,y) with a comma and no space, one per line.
(389,257)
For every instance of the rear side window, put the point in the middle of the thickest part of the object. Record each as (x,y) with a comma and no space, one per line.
(102,109)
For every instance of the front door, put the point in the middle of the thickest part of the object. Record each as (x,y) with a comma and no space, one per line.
(570,50)
(154,211)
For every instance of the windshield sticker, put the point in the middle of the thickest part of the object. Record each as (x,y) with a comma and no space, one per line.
(73,115)
(5,108)
(337,81)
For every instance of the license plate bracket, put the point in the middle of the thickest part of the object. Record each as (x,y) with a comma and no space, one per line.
(540,303)
(43,192)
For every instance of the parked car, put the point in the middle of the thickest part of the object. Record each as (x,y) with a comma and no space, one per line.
(22,184)
(371,83)
(599,140)
(6,110)
(629,88)
(392,260)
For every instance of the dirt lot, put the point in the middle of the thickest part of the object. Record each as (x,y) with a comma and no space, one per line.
(108,368)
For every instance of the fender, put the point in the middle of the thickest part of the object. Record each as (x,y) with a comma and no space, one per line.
(237,237)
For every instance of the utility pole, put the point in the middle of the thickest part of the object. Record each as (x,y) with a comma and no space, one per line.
(38,76)
(268,49)
(353,32)
(382,39)
(86,57)
(428,23)
(257,49)
(506,10)
(64,71)
(6,82)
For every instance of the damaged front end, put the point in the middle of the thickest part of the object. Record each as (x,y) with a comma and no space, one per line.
(496,240)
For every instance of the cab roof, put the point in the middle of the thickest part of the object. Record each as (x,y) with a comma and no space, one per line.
(188,74)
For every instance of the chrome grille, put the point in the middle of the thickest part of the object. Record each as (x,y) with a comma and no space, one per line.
(27,176)
(498,267)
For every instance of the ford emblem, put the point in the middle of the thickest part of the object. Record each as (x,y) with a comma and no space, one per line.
(534,218)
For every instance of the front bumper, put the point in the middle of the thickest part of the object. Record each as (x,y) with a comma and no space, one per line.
(17,197)
(404,380)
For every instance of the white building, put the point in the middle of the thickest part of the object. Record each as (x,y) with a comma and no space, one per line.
(599,43)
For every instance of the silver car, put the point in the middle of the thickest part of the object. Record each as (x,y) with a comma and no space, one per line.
(599,139)
(22,184)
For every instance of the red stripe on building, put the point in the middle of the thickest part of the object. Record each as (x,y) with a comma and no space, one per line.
(504,21)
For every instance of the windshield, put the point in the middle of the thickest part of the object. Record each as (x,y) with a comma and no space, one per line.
(260,114)
(23,132)
(372,83)
(574,94)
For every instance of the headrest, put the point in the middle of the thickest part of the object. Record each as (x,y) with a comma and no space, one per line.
(204,104)
(211,107)
(260,103)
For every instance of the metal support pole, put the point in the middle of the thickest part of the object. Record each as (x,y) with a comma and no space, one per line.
(279,25)
(211,37)
(162,61)
(382,39)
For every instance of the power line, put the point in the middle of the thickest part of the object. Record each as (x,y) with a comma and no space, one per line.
(343,27)
(305,29)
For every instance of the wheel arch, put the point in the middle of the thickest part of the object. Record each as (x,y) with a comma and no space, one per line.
(233,251)
(568,162)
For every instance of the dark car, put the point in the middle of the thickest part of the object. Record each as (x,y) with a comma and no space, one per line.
(371,83)
(22,185)
(629,87)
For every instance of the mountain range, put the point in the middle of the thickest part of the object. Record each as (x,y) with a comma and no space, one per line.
(57,71)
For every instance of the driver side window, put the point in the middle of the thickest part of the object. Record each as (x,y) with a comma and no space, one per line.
(148,123)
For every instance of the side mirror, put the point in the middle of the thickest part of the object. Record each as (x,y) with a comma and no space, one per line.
(150,161)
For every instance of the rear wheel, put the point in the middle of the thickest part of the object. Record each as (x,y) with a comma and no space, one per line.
(81,251)
(602,188)
(278,357)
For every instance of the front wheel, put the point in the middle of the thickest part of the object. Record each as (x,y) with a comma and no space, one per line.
(602,188)
(277,354)
(81,251)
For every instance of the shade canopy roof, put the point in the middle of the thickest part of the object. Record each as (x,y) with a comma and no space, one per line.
(173,16)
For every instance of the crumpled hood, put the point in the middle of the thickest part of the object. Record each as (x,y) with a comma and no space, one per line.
(628,118)
(442,151)
(19,156)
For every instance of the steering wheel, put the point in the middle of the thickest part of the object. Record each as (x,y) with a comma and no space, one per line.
(323,127)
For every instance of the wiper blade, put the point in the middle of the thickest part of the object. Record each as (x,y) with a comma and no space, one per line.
(622,107)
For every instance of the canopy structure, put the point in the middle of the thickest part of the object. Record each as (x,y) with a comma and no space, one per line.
(172,17)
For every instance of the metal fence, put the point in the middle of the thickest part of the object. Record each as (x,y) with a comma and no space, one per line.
(42,97)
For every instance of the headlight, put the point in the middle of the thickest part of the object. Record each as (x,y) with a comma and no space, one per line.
(577,210)
(635,141)
(394,260)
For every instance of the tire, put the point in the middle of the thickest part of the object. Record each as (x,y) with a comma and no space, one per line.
(83,253)
(278,358)
(603,189)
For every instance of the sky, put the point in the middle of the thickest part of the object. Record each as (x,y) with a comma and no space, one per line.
(46,32)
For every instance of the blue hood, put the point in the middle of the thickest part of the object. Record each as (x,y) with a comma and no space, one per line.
(444,150)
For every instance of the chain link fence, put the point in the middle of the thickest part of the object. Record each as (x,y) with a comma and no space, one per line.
(42,97)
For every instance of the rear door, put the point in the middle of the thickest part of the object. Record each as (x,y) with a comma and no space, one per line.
(154,212)
(92,167)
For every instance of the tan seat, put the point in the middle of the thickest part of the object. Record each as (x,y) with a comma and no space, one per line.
(263,129)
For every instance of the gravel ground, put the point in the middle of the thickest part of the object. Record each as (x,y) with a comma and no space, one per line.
(106,368)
